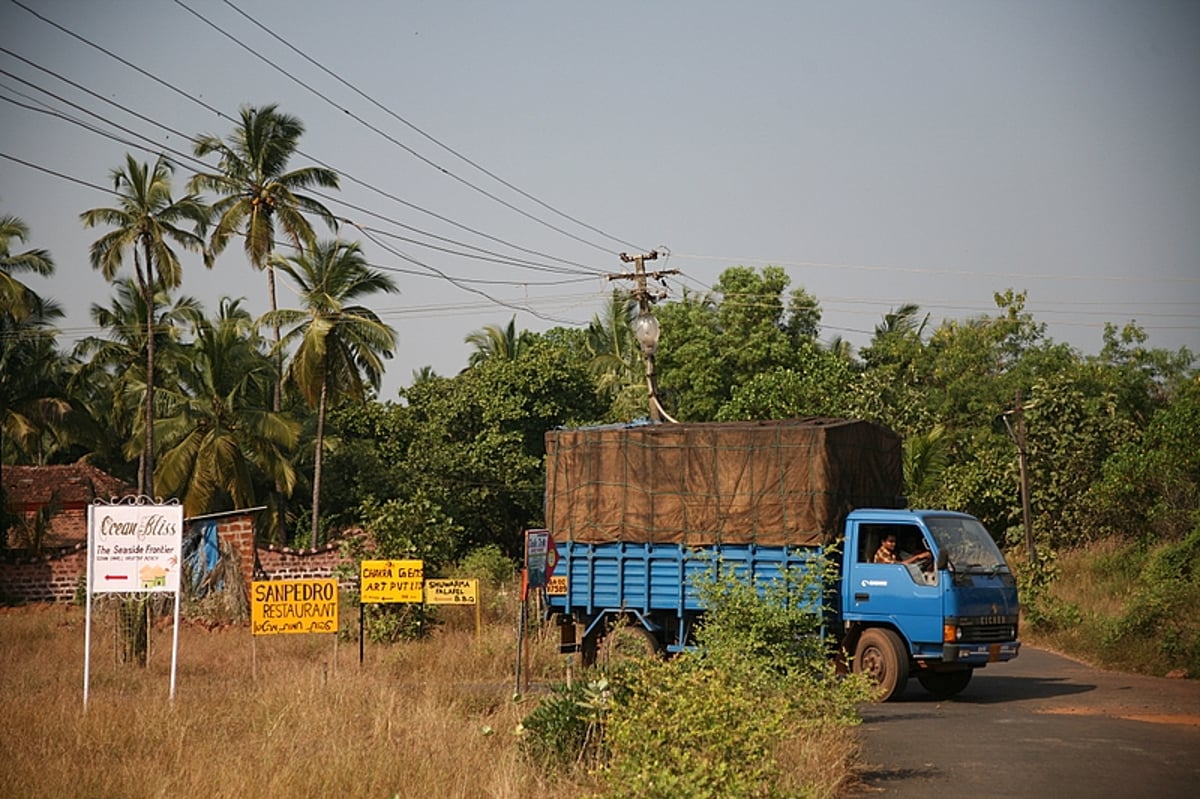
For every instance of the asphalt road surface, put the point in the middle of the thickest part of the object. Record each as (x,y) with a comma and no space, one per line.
(1038,726)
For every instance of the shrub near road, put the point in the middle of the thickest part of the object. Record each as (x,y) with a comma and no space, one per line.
(756,710)
(1127,605)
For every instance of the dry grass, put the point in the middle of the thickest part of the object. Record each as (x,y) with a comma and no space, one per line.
(272,716)
(280,716)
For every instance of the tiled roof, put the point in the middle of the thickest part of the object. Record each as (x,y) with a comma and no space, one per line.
(76,485)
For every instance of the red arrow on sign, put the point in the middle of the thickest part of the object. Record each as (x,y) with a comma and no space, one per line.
(116,577)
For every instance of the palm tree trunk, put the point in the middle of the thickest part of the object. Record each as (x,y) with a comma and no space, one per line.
(277,398)
(316,502)
(277,403)
(147,481)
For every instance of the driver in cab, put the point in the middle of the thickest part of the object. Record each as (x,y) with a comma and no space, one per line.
(887,553)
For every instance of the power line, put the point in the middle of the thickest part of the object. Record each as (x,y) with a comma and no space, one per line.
(931,271)
(423,159)
(424,134)
(175,89)
(156,147)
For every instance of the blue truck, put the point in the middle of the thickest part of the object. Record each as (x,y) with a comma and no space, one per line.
(639,512)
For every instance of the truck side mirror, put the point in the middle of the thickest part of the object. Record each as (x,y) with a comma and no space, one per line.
(943,559)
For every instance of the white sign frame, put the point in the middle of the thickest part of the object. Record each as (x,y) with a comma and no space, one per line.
(135,546)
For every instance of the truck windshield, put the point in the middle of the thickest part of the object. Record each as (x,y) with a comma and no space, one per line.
(968,543)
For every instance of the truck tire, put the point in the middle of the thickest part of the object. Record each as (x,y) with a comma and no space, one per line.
(881,655)
(944,684)
(628,640)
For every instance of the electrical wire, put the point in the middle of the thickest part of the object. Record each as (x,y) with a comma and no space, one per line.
(175,89)
(423,159)
(424,134)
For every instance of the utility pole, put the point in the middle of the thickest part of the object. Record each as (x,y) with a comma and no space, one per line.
(1017,434)
(645,327)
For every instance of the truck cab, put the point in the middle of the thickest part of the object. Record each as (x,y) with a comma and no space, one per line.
(946,607)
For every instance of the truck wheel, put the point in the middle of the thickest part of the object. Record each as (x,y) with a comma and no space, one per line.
(880,654)
(626,640)
(944,684)
(588,649)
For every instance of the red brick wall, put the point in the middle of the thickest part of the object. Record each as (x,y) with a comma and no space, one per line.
(293,564)
(57,575)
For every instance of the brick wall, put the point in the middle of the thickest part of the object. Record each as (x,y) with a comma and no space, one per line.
(57,575)
(290,564)
(54,576)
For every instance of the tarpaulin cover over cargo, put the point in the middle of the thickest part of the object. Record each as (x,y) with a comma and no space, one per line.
(773,483)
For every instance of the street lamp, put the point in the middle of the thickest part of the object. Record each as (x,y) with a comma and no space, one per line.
(645,329)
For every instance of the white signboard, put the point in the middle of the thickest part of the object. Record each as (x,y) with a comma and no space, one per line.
(135,548)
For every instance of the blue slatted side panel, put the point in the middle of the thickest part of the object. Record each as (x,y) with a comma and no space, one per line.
(657,577)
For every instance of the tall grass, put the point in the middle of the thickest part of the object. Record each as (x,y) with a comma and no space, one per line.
(287,715)
(272,716)
(1128,605)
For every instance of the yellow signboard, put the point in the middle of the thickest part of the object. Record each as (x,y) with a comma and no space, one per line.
(557,586)
(391,581)
(294,606)
(451,592)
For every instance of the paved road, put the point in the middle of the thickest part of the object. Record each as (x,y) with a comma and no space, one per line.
(1039,726)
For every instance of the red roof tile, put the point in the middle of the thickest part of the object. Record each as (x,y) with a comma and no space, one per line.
(76,484)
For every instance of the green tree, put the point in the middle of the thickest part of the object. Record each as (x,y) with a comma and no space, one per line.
(341,345)
(220,440)
(474,444)
(1150,486)
(111,379)
(33,377)
(616,359)
(146,221)
(31,370)
(493,341)
(18,300)
(712,344)
(257,195)
(823,385)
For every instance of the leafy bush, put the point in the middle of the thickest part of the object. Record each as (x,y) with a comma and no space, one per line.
(1041,609)
(1141,601)
(1161,613)
(567,728)
(714,721)
(488,564)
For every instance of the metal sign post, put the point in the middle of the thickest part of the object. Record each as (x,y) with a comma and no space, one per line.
(135,546)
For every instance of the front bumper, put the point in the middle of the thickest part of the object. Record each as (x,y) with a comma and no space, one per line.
(979,654)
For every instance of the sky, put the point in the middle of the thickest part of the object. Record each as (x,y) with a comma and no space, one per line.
(496,158)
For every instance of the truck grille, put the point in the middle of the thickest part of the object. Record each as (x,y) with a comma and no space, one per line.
(988,633)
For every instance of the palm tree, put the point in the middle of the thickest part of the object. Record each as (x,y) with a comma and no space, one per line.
(32,386)
(926,457)
(493,341)
(256,192)
(117,360)
(218,435)
(15,297)
(145,221)
(30,389)
(341,346)
(616,358)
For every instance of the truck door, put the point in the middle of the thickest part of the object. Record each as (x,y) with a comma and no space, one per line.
(904,595)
